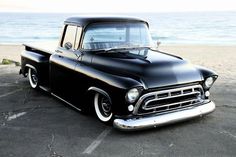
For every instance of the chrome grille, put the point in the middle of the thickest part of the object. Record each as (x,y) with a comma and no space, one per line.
(168,100)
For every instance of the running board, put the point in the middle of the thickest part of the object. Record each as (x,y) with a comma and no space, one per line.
(66,102)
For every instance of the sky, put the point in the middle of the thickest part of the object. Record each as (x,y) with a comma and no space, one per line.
(109,6)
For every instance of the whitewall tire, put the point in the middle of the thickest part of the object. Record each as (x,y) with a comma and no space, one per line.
(102,107)
(33,78)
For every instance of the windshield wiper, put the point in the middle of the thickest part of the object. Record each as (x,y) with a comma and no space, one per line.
(124,52)
(117,49)
(105,50)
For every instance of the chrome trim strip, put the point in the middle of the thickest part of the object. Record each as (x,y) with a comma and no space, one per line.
(66,102)
(44,88)
(164,119)
(169,91)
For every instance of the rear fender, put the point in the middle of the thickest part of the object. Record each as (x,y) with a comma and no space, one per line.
(30,66)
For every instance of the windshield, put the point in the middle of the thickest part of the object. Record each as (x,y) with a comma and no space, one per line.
(116,35)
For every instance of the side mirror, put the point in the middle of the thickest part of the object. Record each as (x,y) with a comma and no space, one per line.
(68,45)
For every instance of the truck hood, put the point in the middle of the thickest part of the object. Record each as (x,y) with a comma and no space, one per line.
(152,68)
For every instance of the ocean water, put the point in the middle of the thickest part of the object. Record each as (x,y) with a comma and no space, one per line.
(217,28)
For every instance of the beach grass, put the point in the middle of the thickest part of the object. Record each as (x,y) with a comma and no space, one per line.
(8,61)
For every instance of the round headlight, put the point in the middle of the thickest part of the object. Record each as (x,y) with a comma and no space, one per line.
(132,95)
(209,82)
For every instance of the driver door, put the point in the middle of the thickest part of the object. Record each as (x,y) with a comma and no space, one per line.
(63,63)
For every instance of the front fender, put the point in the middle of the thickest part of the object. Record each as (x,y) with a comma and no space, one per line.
(205,72)
(101,77)
(112,85)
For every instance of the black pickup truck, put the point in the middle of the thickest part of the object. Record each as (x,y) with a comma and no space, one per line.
(109,64)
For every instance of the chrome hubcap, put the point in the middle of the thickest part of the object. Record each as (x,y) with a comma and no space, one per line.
(105,107)
(34,78)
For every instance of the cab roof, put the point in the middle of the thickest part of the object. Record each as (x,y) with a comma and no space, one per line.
(85,20)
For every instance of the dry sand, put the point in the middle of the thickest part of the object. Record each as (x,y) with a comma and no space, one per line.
(11,52)
(221,59)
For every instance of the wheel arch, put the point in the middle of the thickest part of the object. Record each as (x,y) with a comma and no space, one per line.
(27,66)
(25,71)
(98,90)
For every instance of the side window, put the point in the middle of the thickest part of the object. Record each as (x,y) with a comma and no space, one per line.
(72,35)
(69,36)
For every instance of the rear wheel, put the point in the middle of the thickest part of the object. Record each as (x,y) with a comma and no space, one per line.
(102,107)
(33,78)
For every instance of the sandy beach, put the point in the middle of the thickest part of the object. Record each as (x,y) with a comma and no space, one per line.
(221,59)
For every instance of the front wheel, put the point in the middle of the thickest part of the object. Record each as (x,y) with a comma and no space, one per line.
(102,107)
(33,78)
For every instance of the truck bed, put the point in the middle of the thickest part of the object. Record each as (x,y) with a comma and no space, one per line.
(36,58)
(35,48)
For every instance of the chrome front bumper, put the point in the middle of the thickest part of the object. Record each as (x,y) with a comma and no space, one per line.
(164,119)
